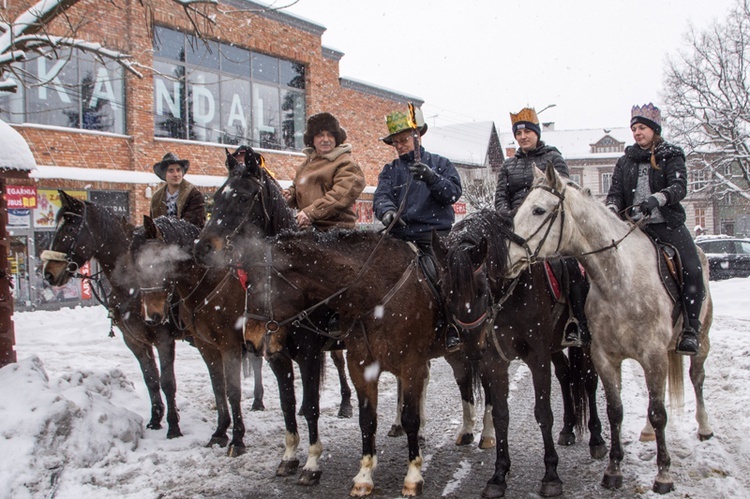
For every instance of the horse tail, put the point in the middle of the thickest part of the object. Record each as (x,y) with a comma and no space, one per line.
(581,368)
(676,380)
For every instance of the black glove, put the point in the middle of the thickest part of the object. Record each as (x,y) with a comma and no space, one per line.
(388,219)
(423,172)
(613,209)
(649,205)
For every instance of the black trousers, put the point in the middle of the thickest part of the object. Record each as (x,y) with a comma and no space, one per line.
(693,288)
(578,289)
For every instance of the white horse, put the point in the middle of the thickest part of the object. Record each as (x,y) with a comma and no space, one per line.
(628,307)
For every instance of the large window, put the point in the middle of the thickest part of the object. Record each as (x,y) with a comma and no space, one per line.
(67,88)
(606,182)
(214,92)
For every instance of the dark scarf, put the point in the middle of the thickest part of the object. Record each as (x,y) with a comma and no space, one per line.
(663,151)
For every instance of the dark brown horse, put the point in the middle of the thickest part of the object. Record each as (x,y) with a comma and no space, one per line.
(85,231)
(502,320)
(210,304)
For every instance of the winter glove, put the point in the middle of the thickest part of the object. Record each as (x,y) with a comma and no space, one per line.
(613,209)
(423,172)
(388,218)
(649,205)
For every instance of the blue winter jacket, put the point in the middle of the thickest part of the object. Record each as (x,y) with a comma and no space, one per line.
(427,207)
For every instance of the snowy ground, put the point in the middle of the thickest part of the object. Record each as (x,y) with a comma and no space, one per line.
(73,411)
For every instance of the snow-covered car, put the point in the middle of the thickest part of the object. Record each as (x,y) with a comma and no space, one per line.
(727,256)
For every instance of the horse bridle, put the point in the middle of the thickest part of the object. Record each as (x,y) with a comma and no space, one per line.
(258,197)
(58,256)
(533,257)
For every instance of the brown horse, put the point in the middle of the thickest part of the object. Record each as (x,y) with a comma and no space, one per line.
(85,231)
(501,320)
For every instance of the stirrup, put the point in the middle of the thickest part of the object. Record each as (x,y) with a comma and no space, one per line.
(568,339)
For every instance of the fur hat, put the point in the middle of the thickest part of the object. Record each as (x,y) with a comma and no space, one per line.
(323,122)
(398,121)
(526,118)
(160,168)
(649,115)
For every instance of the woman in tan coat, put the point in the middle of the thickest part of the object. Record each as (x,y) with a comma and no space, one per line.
(329,182)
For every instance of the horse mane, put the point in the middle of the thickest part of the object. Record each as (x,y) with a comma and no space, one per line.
(108,225)
(178,232)
(281,216)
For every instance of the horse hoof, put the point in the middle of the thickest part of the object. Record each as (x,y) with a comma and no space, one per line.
(174,433)
(566,438)
(647,436)
(465,439)
(396,431)
(412,489)
(551,489)
(220,441)
(487,443)
(612,481)
(235,450)
(154,426)
(494,490)
(308,477)
(703,438)
(345,411)
(361,490)
(258,406)
(598,451)
(286,468)
(663,487)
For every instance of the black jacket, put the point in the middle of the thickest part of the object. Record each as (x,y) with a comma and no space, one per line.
(427,207)
(669,178)
(516,174)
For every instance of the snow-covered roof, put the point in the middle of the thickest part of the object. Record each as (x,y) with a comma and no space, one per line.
(576,144)
(15,153)
(465,143)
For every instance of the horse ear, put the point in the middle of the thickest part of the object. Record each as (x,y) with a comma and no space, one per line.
(253,162)
(69,202)
(553,179)
(150,227)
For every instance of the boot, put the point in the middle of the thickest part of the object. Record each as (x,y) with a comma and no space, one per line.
(689,344)
(571,335)
(452,339)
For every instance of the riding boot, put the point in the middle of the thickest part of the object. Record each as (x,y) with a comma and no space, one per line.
(577,331)
(689,344)
(452,338)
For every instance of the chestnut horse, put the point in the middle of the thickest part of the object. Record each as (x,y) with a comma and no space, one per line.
(85,231)
(629,309)
(501,320)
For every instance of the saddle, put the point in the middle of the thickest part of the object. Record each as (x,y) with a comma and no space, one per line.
(670,273)
(428,266)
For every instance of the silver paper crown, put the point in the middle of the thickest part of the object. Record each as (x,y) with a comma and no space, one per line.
(648,111)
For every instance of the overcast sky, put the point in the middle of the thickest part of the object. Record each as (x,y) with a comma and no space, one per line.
(480,59)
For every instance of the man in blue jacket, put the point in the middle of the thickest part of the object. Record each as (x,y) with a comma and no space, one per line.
(426,184)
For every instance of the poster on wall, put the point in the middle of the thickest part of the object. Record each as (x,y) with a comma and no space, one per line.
(19,219)
(20,199)
(48,202)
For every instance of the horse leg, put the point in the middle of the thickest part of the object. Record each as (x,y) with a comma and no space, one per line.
(541,376)
(256,362)
(495,375)
(165,344)
(396,429)
(345,409)
(462,372)
(413,383)
(609,372)
(282,368)
(487,439)
(562,373)
(216,373)
(310,367)
(597,445)
(367,398)
(697,377)
(144,354)
(232,362)
(656,375)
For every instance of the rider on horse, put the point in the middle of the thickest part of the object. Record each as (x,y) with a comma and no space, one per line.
(513,184)
(649,181)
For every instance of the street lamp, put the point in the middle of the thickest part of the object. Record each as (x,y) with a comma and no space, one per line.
(545,108)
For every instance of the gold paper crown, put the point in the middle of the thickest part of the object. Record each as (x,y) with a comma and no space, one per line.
(525,114)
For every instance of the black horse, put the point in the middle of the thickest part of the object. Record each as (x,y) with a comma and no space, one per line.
(85,231)
(501,320)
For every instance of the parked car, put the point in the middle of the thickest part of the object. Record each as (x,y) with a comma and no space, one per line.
(727,256)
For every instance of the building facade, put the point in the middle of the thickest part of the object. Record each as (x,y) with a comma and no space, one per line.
(96,130)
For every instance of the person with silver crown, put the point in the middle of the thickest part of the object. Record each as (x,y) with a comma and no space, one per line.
(513,183)
(649,181)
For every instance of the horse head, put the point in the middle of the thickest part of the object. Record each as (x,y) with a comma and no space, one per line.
(249,204)
(474,265)
(73,242)
(158,250)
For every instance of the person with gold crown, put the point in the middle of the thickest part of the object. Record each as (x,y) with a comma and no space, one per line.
(417,190)
(649,181)
(513,183)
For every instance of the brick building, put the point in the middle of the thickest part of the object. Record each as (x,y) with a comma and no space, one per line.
(96,129)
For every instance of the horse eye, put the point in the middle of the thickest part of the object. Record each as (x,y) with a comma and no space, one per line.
(539,211)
